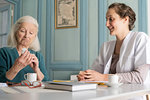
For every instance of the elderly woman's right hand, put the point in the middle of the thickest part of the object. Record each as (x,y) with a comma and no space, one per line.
(23,60)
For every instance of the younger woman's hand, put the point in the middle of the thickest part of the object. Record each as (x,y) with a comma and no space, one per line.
(92,75)
(81,76)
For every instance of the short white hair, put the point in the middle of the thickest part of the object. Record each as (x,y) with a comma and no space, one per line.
(12,41)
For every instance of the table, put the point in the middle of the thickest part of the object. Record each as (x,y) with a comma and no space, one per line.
(123,92)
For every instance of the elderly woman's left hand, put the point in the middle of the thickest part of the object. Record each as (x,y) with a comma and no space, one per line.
(35,63)
(35,66)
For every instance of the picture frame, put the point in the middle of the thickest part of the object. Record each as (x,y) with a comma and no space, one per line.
(66,14)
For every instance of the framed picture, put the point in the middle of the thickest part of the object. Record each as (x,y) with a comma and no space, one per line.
(66,14)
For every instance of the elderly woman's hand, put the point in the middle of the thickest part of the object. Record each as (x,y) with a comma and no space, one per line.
(35,66)
(23,60)
(35,63)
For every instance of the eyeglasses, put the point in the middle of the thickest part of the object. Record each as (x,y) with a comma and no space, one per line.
(34,84)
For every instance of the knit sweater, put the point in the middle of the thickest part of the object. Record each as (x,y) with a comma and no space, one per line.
(8,56)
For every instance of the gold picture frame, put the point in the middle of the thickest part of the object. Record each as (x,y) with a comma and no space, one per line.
(66,14)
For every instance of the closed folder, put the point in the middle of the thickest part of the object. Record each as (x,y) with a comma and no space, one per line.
(70,86)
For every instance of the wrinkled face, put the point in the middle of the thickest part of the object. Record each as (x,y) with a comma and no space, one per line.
(114,23)
(26,34)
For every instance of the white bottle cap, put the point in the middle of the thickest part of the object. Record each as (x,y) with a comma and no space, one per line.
(23,50)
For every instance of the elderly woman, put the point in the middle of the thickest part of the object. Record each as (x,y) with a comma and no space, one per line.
(13,63)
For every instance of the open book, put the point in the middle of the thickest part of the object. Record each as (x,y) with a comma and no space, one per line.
(70,86)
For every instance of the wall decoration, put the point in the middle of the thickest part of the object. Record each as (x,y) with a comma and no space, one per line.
(66,14)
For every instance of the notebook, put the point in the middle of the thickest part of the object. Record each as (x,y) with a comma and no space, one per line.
(70,86)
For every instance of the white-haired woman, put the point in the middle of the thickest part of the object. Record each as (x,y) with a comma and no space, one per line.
(15,64)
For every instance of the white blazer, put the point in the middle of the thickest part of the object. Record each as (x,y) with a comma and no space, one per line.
(135,51)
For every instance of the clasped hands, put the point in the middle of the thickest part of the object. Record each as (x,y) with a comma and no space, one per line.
(91,75)
(27,59)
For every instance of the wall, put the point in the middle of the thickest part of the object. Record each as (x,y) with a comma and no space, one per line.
(5,23)
(93,30)
(67,51)
(148,11)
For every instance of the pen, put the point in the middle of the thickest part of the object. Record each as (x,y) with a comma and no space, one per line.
(61,81)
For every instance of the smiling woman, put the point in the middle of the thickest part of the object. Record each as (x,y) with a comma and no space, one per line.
(15,64)
(126,56)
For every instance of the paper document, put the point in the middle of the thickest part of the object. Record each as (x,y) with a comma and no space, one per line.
(3,85)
